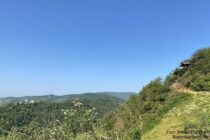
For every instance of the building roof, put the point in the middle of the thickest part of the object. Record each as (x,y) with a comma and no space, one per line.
(185,63)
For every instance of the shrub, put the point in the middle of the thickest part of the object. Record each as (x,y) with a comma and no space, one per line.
(78,120)
(201,83)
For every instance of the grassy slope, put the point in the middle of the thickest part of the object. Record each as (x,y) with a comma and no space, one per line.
(194,111)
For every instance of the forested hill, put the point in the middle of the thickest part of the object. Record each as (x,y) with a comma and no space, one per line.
(174,108)
(120,96)
(45,110)
(195,75)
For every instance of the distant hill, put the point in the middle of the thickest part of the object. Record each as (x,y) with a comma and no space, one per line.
(121,96)
(45,109)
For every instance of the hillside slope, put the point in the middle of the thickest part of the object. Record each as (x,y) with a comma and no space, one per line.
(179,102)
(192,115)
(196,75)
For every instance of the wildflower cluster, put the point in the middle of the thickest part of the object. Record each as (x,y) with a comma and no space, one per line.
(79,119)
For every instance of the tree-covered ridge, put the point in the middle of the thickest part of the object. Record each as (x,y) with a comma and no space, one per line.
(45,113)
(75,122)
(57,99)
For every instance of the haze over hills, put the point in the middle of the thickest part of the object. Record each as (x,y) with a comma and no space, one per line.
(53,98)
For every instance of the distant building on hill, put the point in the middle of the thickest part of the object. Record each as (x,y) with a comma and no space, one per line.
(185,63)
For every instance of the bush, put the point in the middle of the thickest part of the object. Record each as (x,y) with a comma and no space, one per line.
(201,83)
(78,120)
(196,75)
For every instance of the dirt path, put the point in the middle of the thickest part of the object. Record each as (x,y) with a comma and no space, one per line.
(194,92)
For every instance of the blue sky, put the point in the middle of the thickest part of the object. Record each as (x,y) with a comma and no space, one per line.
(74,46)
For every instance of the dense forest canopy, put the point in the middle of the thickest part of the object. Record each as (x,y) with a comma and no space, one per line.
(45,112)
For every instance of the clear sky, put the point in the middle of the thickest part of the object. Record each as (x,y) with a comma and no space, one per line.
(73,46)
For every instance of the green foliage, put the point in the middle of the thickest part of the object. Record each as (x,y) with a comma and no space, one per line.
(79,123)
(153,93)
(46,120)
(132,114)
(21,115)
(44,113)
(135,134)
(201,83)
(79,119)
(174,99)
(143,112)
(180,71)
(196,76)
(200,61)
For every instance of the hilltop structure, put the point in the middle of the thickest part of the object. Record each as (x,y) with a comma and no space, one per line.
(185,63)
